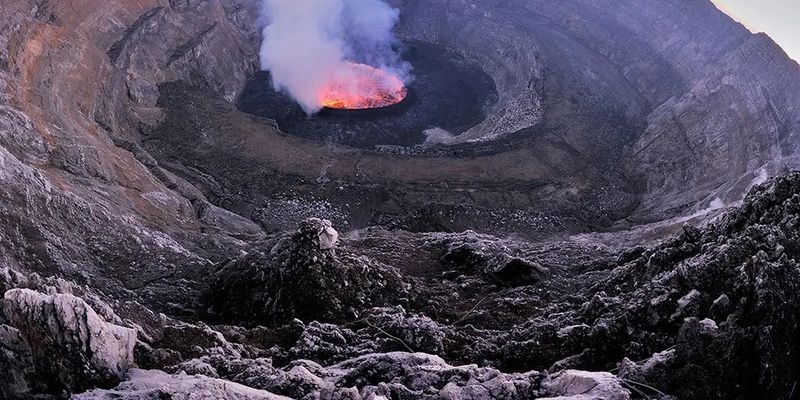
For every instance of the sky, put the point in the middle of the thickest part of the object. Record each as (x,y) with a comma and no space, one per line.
(780,19)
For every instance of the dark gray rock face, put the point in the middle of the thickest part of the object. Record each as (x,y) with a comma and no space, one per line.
(716,102)
(469,254)
(80,198)
(388,375)
(663,301)
(751,89)
(16,363)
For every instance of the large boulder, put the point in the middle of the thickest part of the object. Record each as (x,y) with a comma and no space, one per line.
(70,347)
(582,385)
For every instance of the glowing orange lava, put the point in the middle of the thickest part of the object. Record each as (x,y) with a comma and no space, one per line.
(363,87)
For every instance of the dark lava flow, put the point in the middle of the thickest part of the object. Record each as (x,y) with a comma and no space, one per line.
(447,92)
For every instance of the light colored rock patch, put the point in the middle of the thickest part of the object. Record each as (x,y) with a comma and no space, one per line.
(582,385)
(70,344)
(146,385)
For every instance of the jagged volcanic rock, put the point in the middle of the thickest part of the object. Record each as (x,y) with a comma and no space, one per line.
(301,276)
(146,221)
(65,346)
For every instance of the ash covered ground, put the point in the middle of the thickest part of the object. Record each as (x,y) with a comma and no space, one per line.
(580,200)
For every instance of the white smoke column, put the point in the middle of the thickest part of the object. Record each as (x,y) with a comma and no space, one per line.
(309,42)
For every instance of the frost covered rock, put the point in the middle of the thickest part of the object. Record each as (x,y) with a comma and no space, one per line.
(328,237)
(582,385)
(326,343)
(425,376)
(418,332)
(656,370)
(71,347)
(376,375)
(155,385)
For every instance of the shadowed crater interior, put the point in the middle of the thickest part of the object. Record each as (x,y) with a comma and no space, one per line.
(447,92)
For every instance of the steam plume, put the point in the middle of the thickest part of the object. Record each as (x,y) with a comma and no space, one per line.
(307,43)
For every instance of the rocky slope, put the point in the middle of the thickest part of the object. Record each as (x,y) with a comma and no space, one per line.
(709,313)
(149,240)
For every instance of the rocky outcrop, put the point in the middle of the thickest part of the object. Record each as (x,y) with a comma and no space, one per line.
(19,375)
(376,376)
(582,385)
(724,294)
(69,347)
(389,375)
(301,276)
(493,259)
(74,96)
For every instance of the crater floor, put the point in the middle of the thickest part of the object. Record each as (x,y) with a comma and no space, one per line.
(446,92)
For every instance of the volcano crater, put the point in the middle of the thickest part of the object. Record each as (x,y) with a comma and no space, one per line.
(447,92)
(162,220)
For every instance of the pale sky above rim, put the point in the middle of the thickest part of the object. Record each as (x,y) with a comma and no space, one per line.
(780,19)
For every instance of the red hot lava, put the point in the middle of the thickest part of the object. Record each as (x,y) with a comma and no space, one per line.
(363,87)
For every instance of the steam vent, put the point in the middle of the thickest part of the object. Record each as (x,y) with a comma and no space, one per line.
(398,199)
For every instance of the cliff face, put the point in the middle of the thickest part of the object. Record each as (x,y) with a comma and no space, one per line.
(738,121)
(716,103)
(79,80)
(134,196)
(723,102)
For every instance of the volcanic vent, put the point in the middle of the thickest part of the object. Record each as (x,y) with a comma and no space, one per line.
(346,78)
(363,87)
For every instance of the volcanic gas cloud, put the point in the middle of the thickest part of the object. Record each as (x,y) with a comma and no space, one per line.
(334,53)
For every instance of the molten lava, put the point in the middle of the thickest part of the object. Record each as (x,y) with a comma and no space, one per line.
(363,87)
